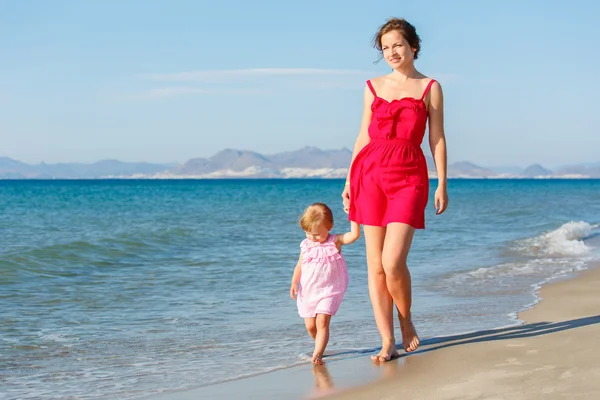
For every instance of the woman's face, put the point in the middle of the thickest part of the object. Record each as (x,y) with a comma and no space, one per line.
(396,50)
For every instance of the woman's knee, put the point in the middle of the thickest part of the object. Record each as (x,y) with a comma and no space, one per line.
(374,262)
(395,266)
(376,270)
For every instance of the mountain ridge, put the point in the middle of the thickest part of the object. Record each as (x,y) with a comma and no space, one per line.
(306,162)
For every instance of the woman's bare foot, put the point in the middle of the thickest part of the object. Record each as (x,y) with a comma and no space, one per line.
(410,339)
(317,359)
(388,352)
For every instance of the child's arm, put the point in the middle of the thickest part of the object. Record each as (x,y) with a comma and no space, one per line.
(348,237)
(296,278)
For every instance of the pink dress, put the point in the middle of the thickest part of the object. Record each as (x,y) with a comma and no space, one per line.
(324,278)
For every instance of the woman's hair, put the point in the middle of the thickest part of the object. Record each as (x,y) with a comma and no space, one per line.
(405,28)
(316,214)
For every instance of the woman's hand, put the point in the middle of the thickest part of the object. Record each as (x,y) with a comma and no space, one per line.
(441,199)
(346,198)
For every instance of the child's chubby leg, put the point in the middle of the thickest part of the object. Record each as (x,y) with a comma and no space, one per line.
(322,338)
(311,326)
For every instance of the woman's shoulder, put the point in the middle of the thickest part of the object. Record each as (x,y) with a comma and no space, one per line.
(373,85)
(429,80)
(378,80)
(434,86)
(429,84)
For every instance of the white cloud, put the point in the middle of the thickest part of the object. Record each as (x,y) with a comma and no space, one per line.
(219,75)
(178,91)
(227,82)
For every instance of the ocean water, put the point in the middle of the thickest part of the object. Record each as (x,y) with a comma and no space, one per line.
(123,289)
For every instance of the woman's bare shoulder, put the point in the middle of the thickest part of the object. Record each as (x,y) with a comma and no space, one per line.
(379,81)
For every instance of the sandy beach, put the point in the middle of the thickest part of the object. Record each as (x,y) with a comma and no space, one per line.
(553,355)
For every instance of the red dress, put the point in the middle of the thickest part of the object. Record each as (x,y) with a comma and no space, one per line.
(388,177)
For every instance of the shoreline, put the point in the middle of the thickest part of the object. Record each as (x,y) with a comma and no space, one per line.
(551,355)
(517,360)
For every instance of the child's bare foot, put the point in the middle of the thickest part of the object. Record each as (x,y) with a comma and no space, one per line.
(388,352)
(410,339)
(317,359)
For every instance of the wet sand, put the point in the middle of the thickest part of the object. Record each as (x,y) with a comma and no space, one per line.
(555,354)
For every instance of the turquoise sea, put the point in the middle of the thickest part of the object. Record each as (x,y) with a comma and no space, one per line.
(120,289)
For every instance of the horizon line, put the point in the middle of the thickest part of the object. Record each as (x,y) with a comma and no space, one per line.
(585,164)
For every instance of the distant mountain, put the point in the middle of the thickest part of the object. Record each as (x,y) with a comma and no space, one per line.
(239,160)
(467,169)
(591,170)
(312,157)
(534,171)
(307,162)
(585,165)
(13,169)
(7,163)
(234,160)
(509,169)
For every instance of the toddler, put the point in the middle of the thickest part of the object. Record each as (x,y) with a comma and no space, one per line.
(320,278)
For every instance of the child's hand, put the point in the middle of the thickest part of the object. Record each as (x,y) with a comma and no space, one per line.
(294,292)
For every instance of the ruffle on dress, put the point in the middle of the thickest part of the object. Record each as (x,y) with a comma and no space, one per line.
(314,251)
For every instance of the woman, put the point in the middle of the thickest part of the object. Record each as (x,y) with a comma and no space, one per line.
(388,186)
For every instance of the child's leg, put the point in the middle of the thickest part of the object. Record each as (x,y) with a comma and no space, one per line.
(311,326)
(322,338)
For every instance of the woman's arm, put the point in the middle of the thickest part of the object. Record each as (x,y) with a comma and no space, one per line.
(437,144)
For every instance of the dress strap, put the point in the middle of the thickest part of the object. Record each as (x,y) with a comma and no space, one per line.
(370,85)
(427,88)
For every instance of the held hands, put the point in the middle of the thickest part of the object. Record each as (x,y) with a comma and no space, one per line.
(441,199)
(346,198)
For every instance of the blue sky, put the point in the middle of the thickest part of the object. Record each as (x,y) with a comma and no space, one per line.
(165,81)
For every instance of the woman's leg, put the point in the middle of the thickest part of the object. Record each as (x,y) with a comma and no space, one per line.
(378,292)
(398,240)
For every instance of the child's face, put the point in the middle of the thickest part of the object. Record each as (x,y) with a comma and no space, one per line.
(318,233)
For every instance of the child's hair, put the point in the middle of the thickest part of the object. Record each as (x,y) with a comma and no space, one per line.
(316,214)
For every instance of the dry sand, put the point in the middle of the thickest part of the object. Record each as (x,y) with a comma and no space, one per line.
(554,355)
